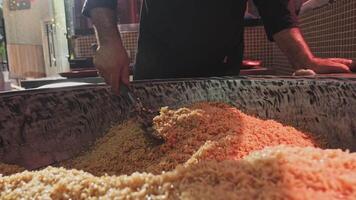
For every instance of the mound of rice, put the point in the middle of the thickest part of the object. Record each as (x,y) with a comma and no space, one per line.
(274,173)
(211,151)
(206,130)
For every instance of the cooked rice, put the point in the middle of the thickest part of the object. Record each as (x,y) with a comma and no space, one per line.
(211,151)
(187,131)
(223,132)
(274,173)
(123,150)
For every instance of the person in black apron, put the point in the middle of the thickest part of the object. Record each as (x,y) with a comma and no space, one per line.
(195,38)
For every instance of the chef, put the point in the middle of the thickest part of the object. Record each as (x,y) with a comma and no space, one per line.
(196,38)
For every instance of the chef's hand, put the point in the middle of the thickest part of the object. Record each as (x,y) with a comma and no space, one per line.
(112,62)
(111,58)
(351,64)
(330,65)
(292,43)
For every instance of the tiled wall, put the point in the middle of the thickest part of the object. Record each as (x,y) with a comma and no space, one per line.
(82,46)
(257,47)
(330,31)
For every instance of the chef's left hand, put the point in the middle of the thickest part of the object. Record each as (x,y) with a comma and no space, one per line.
(351,64)
(329,65)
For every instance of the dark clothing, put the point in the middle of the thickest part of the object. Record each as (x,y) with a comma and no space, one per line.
(193,38)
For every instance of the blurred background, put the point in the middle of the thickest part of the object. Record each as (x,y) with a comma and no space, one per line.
(48,41)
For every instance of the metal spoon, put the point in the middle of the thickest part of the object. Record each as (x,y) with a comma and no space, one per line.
(144,115)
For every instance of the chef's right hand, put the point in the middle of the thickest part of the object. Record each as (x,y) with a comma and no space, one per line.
(112,62)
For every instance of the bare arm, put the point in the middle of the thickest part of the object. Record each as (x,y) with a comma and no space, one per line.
(293,45)
(111,58)
(104,20)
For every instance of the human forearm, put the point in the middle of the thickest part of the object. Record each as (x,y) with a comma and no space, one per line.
(293,45)
(104,20)
(111,58)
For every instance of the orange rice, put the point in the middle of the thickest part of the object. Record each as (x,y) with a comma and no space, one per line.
(205,130)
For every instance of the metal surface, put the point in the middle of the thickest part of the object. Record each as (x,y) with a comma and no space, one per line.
(44,126)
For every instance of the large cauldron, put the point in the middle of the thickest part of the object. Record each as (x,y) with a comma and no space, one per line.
(41,127)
